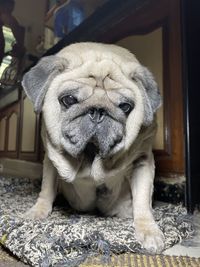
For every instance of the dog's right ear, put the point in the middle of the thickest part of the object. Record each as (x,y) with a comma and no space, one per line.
(36,81)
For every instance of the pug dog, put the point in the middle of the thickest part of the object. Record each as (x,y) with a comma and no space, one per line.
(98,106)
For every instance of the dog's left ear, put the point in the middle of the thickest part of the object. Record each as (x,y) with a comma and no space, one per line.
(37,80)
(151,94)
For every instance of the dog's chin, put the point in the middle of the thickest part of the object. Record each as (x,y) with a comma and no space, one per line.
(91,149)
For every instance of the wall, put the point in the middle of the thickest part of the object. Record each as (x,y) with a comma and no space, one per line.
(148,50)
(30,14)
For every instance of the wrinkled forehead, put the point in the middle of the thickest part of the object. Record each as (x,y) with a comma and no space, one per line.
(106,58)
(103,73)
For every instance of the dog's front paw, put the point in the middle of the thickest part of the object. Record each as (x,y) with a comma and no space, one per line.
(149,235)
(39,211)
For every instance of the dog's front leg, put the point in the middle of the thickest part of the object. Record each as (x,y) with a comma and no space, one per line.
(43,206)
(146,230)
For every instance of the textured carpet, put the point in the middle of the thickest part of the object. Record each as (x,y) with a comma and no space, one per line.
(67,238)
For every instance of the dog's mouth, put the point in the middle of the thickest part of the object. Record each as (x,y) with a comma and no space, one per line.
(84,137)
(94,148)
(91,150)
(96,145)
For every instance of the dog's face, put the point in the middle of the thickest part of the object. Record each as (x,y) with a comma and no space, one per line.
(94,98)
(90,114)
(90,117)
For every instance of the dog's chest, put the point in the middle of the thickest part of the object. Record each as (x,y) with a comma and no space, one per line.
(84,195)
(95,186)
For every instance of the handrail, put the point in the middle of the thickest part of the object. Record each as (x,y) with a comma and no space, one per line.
(93,27)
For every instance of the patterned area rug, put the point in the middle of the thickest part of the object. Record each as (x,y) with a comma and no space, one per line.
(67,238)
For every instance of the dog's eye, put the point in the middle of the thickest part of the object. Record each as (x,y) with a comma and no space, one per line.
(126,107)
(68,100)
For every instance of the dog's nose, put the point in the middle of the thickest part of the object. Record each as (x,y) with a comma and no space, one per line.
(97,114)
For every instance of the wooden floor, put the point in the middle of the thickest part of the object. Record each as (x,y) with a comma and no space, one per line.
(7,260)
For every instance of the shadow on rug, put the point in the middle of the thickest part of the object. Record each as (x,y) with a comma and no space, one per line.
(67,238)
